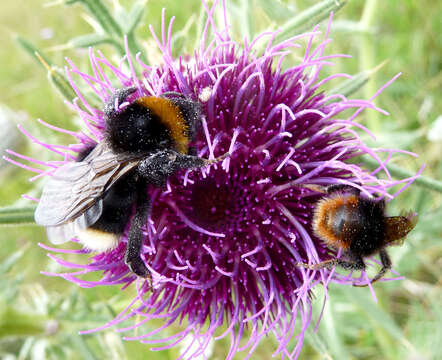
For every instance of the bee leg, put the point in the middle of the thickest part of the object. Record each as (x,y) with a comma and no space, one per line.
(192,151)
(342,187)
(158,167)
(386,265)
(135,238)
(331,189)
(190,161)
(118,96)
(173,94)
(354,263)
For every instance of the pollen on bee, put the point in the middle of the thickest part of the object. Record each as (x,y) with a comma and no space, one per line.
(205,94)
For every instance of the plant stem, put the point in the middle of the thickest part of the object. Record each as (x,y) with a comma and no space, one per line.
(367,56)
(11,216)
(397,171)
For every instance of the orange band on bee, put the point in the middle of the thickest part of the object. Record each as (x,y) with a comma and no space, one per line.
(323,219)
(170,115)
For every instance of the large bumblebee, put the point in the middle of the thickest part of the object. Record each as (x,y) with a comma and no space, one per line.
(93,199)
(358,226)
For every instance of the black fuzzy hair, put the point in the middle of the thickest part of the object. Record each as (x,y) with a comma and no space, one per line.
(371,235)
(136,129)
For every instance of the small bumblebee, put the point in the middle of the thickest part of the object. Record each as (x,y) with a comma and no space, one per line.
(93,199)
(345,220)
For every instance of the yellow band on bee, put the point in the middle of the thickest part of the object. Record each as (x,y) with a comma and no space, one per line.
(171,116)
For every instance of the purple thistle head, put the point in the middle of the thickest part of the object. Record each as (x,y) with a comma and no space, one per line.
(222,243)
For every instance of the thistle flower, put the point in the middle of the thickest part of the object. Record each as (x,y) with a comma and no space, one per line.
(223,243)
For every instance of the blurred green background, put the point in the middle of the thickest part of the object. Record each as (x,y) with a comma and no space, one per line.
(40,316)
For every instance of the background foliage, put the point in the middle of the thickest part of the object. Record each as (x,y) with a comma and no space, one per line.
(40,316)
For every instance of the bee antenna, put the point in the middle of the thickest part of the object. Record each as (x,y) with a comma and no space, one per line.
(120,95)
(173,93)
(218,159)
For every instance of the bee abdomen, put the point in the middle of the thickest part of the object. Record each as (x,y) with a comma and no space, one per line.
(118,204)
(371,236)
(97,240)
(337,220)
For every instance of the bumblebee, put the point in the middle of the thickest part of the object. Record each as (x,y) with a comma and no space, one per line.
(345,220)
(105,191)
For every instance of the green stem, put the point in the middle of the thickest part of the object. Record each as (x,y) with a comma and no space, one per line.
(11,216)
(13,209)
(246,21)
(398,172)
(369,13)
(367,56)
(15,323)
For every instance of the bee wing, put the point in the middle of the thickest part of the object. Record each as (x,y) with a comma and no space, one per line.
(65,232)
(398,242)
(76,187)
(62,233)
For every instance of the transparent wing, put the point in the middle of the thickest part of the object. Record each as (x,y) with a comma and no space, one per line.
(62,233)
(75,187)
(65,232)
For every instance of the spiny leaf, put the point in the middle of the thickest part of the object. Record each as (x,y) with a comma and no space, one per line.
(57,78)
(350,86)
(135,16)
(376,313)
(309,17)
(352,27)
(101,13)
(180,37)
(276,10)
(55,75)
(32,50)
(85,350)
(10,261)
(317,343)
(88,40)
